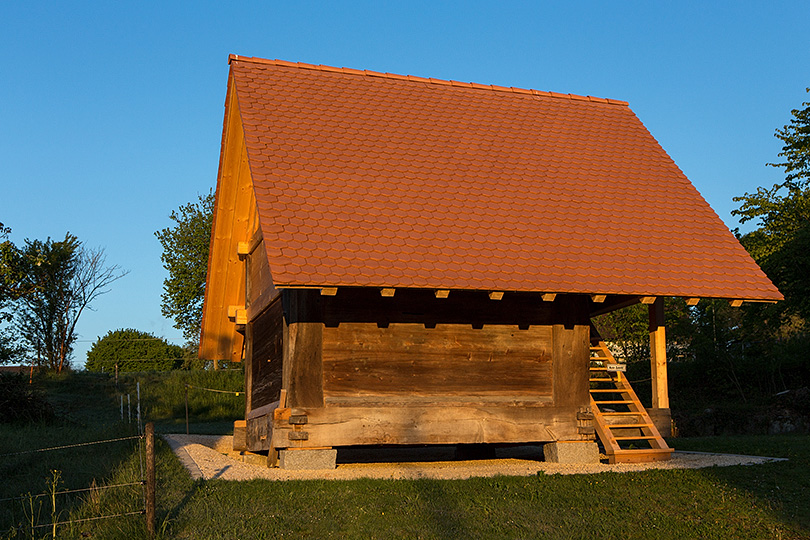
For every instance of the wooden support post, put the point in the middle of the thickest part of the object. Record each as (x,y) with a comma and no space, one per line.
(658,355)
(150,479)
(186,409)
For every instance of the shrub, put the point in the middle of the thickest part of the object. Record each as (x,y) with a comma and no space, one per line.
(19,402)
(133,350)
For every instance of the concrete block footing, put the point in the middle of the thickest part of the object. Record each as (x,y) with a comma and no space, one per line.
(307,459)
(571,452)
(662,419)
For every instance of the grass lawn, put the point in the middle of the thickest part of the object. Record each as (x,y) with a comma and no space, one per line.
(763,501)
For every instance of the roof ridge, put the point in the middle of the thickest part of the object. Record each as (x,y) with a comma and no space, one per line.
(413,78)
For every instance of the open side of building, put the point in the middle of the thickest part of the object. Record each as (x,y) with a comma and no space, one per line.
(400,260)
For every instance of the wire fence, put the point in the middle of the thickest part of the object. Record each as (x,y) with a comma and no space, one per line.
(31,516)
(146,480)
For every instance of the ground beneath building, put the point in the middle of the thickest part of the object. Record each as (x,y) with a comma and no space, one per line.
(211,457)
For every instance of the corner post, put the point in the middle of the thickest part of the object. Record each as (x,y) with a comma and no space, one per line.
(658,355)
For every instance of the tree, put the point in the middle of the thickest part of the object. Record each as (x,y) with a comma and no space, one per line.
(9,286)
(781,242)
(133,350)
(627,329)
(58,281)
(776,337)
(185,257)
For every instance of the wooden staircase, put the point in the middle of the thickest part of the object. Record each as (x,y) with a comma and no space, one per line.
(621,421)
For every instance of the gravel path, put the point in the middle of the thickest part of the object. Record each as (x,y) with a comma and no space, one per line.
(211,456)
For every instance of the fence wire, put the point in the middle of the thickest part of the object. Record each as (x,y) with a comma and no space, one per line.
(69,446)
(140,482)
(96,488)
(215,390)
(71,521)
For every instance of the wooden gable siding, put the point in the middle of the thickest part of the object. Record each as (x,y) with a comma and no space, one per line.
(235,220)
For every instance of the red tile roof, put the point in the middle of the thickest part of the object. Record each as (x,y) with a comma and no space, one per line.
(373,179)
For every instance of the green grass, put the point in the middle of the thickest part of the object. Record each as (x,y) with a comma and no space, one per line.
(763,501)
(163,399)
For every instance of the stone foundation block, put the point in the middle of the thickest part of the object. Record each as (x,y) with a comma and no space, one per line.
(662,419)
(571,452)
(307,459)
(239,435)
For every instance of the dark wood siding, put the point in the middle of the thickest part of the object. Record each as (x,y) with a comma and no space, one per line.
(266,355)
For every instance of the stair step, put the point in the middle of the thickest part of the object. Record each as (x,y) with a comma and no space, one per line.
(641,455)
(628,420)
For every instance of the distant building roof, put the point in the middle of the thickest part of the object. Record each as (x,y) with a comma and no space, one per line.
(381,180)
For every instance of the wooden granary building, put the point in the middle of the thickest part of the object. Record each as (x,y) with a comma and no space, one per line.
(401,260)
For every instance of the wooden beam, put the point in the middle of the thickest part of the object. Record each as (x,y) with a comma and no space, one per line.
(598,298)
(658,355)
(549,297)
(692,301)
(242,250)
(255,239)
(613,303)
(442,293)
(237,314)
(329,291)
(387,292)
(648,300)
(735,303)
(496,295)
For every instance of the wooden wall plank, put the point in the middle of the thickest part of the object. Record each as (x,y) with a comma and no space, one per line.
(571,354)
(267,356)
(303,340)
(409,359)
(346,426)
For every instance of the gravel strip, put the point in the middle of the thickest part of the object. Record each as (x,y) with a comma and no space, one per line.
(211,456)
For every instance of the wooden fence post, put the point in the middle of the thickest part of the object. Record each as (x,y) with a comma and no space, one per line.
(150,479)
(186,409)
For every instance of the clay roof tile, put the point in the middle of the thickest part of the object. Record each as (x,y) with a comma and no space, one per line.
(372,179)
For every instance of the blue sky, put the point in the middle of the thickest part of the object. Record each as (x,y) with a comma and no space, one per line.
(111,112)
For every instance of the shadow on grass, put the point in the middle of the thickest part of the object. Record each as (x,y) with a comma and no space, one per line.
(781,487)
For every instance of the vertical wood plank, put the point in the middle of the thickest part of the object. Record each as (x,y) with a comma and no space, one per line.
(248,367)
(570,363)
(302,374)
